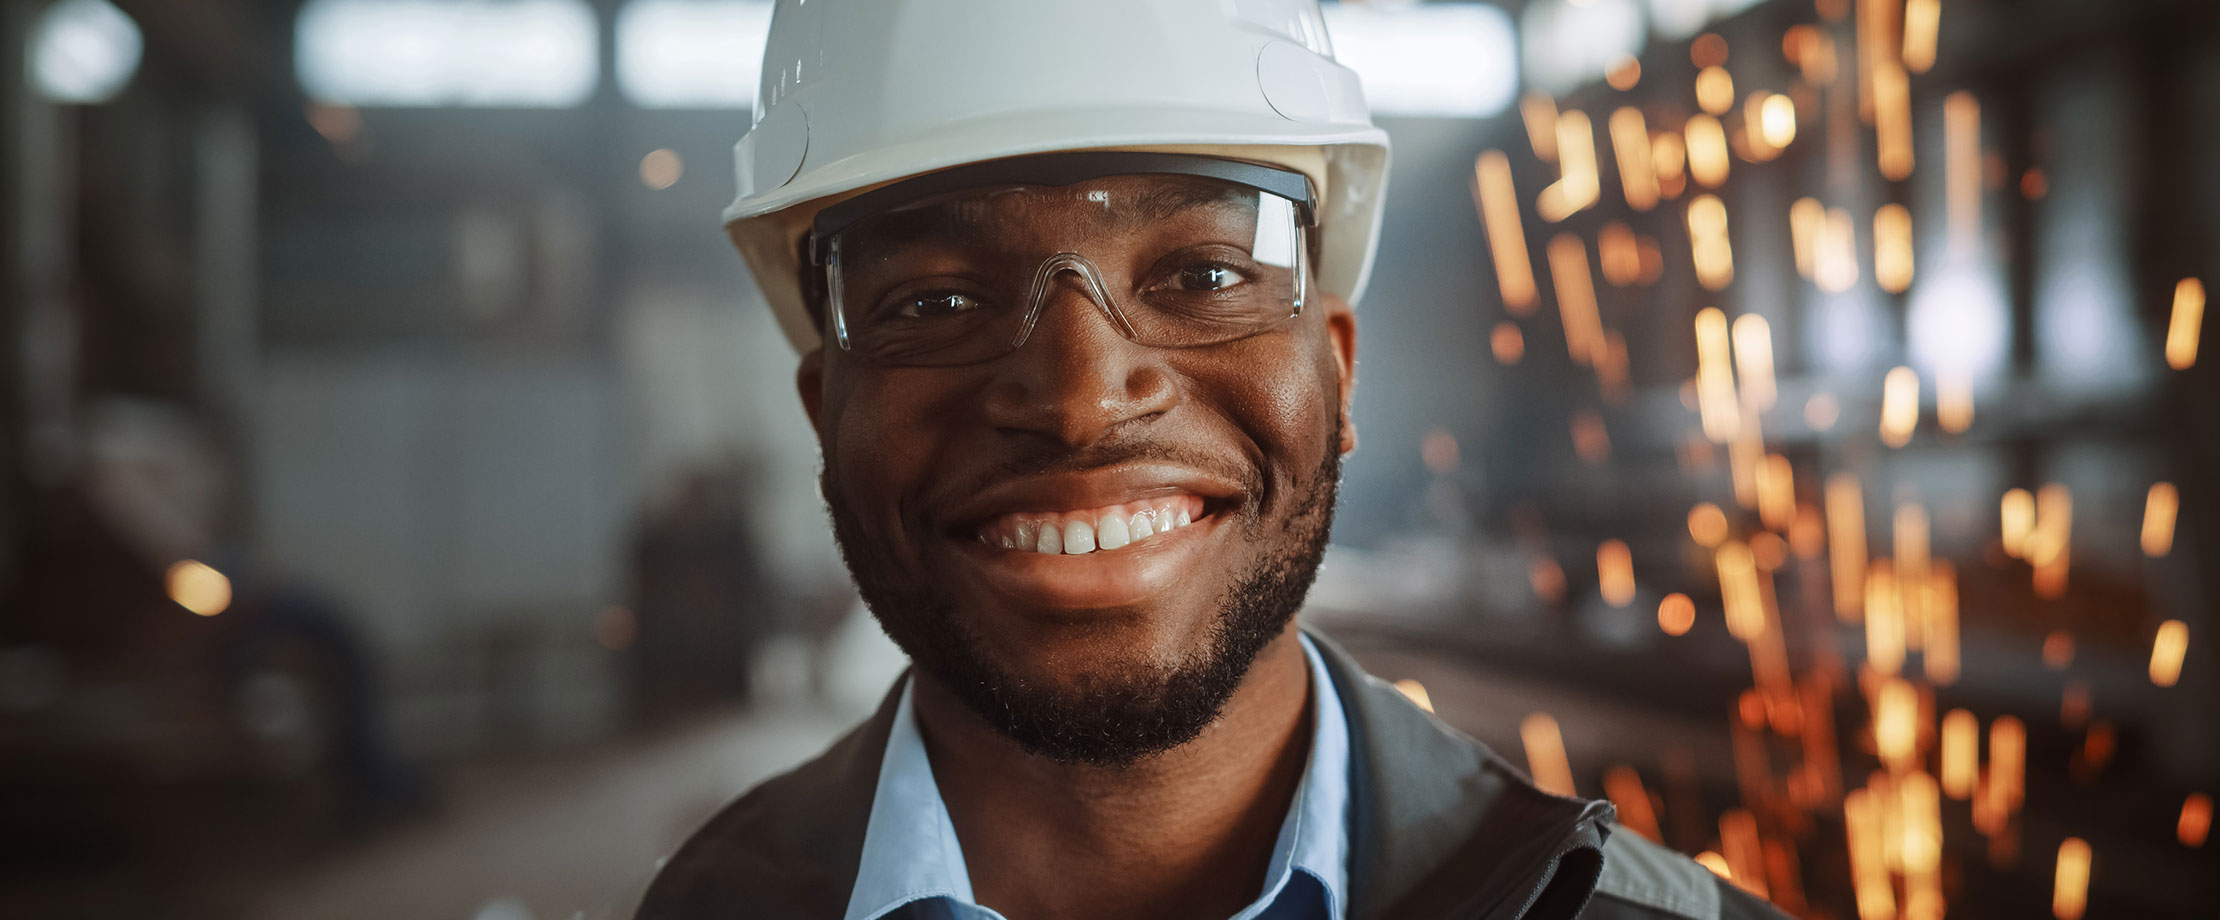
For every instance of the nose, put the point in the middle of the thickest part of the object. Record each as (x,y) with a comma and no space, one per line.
(1077,378)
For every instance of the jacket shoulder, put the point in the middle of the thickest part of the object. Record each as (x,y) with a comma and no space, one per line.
(1442,826)
(1644,881)
(787,848)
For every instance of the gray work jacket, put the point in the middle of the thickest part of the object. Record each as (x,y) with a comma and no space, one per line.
(1440,829)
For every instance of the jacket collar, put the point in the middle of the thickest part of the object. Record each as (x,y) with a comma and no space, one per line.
(1443,827)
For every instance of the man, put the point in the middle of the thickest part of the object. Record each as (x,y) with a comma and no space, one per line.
(1072,283)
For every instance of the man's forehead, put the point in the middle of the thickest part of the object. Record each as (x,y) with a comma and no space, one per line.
(1152,196)
(1111,204)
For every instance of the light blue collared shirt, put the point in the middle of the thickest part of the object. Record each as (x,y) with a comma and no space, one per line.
(913,868)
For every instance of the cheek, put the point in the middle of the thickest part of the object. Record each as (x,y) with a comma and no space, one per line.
(876,445)
(1283,391)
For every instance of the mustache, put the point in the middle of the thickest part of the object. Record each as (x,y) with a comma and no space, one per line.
(1038,459)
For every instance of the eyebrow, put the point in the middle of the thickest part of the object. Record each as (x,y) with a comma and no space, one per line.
(1168,200)
(940,223)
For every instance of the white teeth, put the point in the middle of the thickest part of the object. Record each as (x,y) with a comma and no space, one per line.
(1078,533)
(1110,532)
(1079,538)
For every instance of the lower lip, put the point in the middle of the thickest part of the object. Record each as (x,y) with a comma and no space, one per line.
(1098,580)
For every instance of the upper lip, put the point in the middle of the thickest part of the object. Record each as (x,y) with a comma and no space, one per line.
(1092,488)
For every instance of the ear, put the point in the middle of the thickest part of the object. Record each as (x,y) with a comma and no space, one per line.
(809,381)
(1341,333)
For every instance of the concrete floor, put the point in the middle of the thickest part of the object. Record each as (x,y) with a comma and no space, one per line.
(578,835)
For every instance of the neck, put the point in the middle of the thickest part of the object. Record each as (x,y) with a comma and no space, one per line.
(1187,833)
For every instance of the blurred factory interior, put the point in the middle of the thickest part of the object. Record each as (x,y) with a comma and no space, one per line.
(1785,417)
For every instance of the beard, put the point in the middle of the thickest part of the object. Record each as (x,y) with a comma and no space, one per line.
(1114,718)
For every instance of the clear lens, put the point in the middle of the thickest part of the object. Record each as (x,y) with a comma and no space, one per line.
(1172,261)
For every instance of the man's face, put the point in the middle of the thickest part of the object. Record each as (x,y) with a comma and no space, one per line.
(941,479)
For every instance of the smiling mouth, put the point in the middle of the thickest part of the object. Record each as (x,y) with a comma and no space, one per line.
(1092,530)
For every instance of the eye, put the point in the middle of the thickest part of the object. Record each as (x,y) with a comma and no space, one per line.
(1207,277)
(933,306)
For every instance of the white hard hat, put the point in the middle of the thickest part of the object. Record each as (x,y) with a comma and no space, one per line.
(860,93)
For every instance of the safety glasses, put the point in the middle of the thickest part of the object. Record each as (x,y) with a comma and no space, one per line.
(955,267)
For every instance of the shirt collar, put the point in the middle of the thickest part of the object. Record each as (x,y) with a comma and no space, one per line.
(1314,839)
(910,851)
(909,845)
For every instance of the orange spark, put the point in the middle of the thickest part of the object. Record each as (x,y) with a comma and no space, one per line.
(1539,112)
(1899,406)
(2187,323)
(1962,170)
(1708,242)
(1624,787)
(1675,614)
(1576,298)
(1715,395)
(1630,145)
(1545,754)
(1753,360)
(1738,590)
(2018,514)
(1961,743)
(1508,344)
(2167,651)
(1922,20)
(1706,144)
(1892,248)
(1615,573)
(2070,892)
(2196,819)
(1499,212)
(1846,538)
(2159,507)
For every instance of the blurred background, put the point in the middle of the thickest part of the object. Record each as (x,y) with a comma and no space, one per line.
(1784,417)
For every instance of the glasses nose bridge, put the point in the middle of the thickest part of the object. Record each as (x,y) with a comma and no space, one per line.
(1090,283)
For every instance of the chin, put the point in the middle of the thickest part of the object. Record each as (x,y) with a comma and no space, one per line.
(1055,649)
